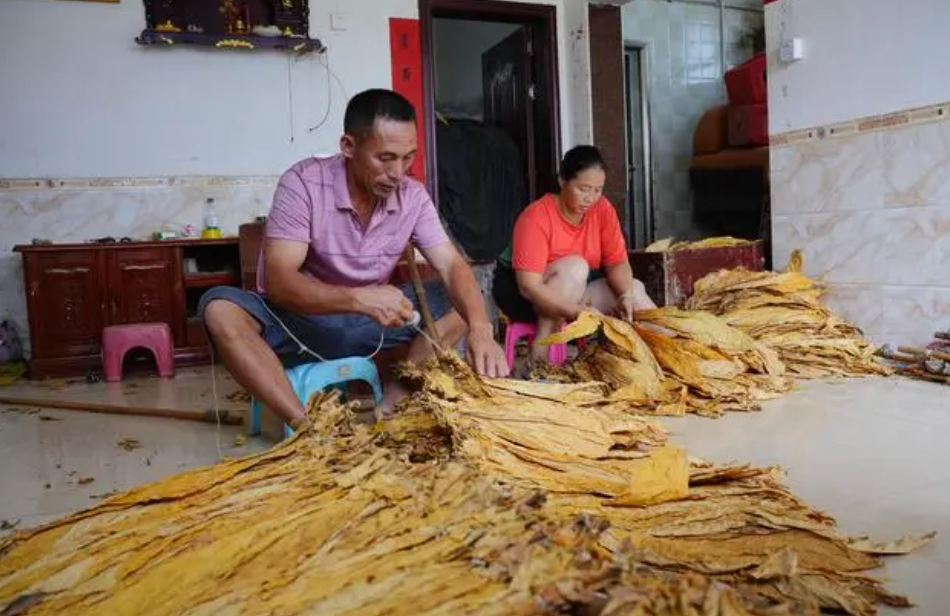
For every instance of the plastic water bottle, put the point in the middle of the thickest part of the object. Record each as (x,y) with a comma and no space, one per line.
(212,230)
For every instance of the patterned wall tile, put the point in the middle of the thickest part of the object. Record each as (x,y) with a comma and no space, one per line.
(860,304)
(845,247)
(913,314)
(917,251)
(869,204)
(116,207)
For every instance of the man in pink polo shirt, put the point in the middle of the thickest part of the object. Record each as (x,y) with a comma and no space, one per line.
(336,231)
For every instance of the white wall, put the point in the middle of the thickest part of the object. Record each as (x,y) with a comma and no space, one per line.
(81,99)
(863,58)
(459,46)
(868,206)
(576,48)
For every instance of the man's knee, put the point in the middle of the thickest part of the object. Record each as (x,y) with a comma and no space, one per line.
(225,319)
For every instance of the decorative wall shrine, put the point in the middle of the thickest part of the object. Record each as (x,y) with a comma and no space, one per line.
(229,24)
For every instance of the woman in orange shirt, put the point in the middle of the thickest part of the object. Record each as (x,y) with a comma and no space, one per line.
(562,244)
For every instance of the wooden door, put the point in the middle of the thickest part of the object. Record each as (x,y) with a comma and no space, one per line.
(145,286)
(65,303)
(509,91)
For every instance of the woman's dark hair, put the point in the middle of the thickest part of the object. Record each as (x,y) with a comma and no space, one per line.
(579,160)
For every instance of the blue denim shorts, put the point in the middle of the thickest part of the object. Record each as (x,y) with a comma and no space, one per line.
(331,336)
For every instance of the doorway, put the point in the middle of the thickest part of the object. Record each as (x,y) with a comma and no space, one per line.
(491,115)
(639,156)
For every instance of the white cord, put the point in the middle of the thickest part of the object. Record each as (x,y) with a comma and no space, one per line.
(217,411)
(414,323)
(304,348)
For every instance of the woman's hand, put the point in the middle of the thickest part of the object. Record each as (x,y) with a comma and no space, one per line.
(633,300)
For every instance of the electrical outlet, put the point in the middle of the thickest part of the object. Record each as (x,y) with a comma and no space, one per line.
(338,21)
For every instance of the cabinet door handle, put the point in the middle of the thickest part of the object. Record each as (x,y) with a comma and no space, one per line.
(67,270)
(142,268)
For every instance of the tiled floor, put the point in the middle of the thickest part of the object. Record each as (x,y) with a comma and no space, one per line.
(873,453)
(190,390)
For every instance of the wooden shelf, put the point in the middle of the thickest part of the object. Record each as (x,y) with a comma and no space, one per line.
(211,279)
(247,42)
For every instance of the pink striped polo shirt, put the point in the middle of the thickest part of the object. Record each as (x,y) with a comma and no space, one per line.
(312,205)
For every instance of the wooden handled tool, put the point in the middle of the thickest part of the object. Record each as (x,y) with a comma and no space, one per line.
(420,290)
(227,417)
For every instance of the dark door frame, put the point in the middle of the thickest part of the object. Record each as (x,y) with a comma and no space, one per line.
(542,16)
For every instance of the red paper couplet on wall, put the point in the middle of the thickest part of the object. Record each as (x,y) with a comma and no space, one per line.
(407,78)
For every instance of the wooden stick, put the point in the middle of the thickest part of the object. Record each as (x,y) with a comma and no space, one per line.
(420,290)
(228,418)
(904,359)
(925,353)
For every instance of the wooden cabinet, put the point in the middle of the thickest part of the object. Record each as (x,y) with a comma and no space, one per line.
(74,290)
(65,294)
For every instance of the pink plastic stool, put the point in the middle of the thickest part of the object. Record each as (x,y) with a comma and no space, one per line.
(117,340)
(557,353)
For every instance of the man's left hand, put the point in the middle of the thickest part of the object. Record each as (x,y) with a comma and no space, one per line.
(485,355)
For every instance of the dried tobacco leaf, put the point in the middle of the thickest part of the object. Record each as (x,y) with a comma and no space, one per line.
(783,311)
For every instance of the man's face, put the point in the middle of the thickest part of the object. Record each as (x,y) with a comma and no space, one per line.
(381,158)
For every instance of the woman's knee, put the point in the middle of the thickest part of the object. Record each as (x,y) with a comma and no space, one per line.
(572,267)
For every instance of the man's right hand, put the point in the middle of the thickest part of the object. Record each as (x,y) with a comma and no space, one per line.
(385,304)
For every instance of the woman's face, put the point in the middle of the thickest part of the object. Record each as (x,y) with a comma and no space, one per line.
(581,193)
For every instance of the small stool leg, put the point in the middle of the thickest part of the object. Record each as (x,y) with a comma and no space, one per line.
(257,410)
(511,341)
(112,365)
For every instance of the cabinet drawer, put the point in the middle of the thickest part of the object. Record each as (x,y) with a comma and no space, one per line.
(145,286)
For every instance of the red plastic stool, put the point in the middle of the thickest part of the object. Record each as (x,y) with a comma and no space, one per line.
(117,340)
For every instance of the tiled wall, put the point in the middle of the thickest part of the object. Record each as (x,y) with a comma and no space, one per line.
(868,202)
(685,64)
(80,210)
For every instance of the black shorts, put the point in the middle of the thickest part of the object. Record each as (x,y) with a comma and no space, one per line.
(508,297)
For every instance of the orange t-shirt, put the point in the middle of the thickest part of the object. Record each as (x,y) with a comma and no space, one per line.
(542,236)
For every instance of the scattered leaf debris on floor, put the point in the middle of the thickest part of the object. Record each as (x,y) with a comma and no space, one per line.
(50,418)
(83,481)
(129,444)
(239,439)
(239,396)
(9,524)
(21,410)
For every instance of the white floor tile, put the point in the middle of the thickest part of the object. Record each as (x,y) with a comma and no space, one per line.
(906,512)
(46,465)
(924,581)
